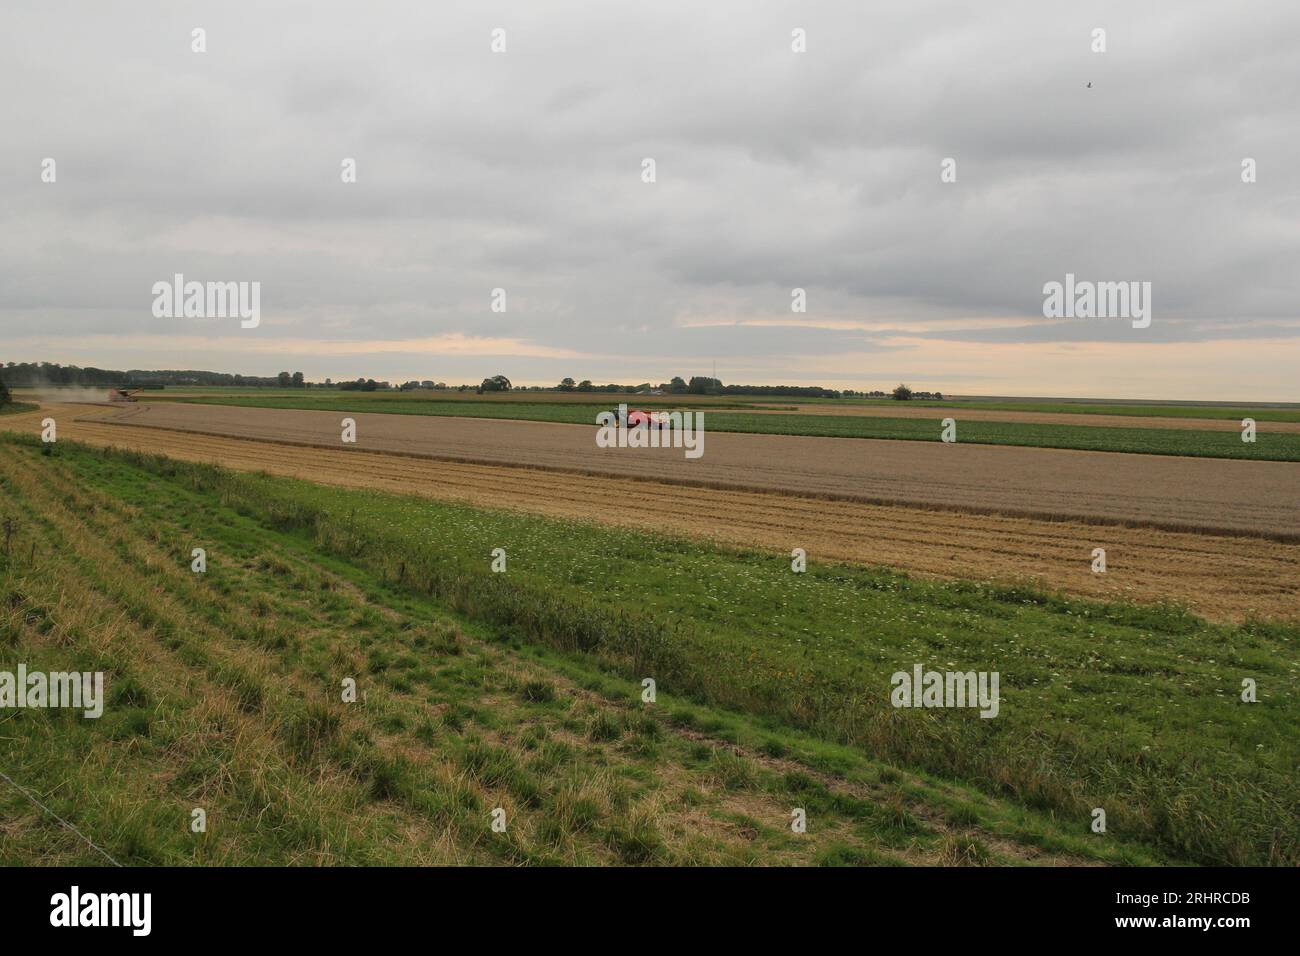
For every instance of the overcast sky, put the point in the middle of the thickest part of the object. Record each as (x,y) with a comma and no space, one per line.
(774,170)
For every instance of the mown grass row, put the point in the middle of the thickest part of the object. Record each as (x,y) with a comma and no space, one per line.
(1268,446)
(223,694)
(1133,709)
(194,719)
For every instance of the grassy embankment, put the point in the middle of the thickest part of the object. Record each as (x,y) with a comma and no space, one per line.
(1268,446)
(224,694)
(1135,710)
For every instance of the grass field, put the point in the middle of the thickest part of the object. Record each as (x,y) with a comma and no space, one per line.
(1269,446)
(1262,413)
(1135,710)
(223,695)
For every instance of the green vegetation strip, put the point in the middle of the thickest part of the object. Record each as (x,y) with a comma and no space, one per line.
(1227,412)
(1133,709)
(223,695)
(1269,446)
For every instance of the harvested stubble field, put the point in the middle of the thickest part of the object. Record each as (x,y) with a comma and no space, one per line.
(1255,498)
(1220,577)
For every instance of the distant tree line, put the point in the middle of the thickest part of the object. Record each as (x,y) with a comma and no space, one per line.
(360,385)
(36,374)
(705,385)
(904,394)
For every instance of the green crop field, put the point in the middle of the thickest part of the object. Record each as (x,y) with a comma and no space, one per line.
(521,690)
(1261,413)
(1269,446)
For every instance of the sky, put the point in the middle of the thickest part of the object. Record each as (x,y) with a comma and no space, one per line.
(774,170)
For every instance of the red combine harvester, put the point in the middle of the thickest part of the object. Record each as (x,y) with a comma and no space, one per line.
(636,417)
(122,394)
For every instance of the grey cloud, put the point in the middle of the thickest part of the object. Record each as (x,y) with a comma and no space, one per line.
(775,170)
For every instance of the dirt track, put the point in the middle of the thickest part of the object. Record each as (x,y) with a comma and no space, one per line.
(1222,577)
(1194,494)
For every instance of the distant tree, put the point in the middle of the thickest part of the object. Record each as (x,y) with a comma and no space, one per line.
(497,383)
(360,385)
(902,394)
(678,385)
(585,385)
(285,379)
(5,397)
(566,384)
(298,381)
(703,385)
